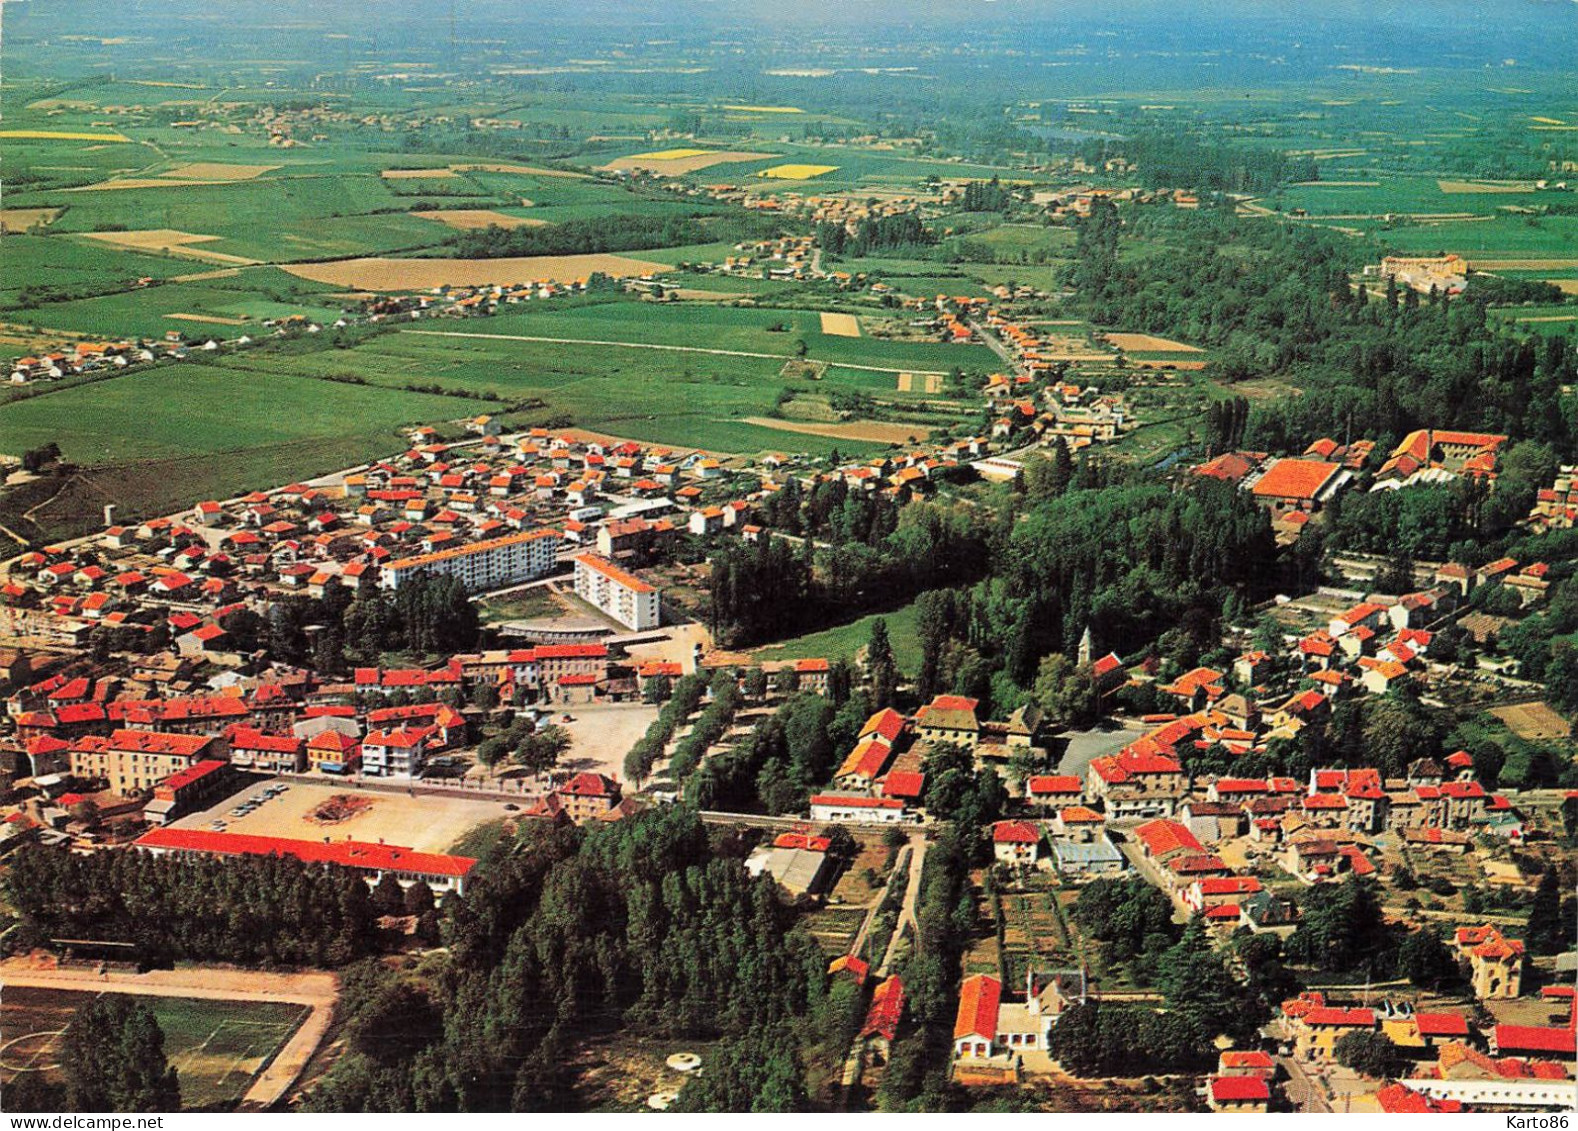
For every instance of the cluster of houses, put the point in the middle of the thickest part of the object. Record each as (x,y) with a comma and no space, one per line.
(1444,274)
(1556,507)
(1452,1061)
(86,357)
(1294,488)
(881,780)
(491,513)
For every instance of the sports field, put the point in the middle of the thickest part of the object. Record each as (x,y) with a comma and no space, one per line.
(216,1047)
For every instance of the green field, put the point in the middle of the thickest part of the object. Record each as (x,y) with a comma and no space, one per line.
(156,440)
(843,641)
(252,293)
(775,332)
(216,1047)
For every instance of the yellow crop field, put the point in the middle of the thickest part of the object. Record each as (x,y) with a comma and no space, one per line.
(695,159)
(669,155)
(841,325)
(61,135)
(1546,121)
(797,172)
(168,241)
(766,109)
(21,219)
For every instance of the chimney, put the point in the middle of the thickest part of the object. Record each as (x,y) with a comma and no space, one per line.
(109,514)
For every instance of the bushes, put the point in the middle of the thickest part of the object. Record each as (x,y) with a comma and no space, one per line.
(1096,1040)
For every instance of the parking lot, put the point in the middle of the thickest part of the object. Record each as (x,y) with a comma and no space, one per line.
(423,822)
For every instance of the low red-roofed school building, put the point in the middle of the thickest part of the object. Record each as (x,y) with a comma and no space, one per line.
(442,873)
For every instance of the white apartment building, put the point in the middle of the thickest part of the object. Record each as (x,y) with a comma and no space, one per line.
(622,595)
(481,566)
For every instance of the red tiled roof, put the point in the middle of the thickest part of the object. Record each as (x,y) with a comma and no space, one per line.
(979,999)
(887,1007)
(855,801)
(348,853)
(1441,1024)
(1396,1099)
(157,742)
(1015,832)
(904,785)
(195,772)
(1229,885)
(1536,1038)
(1053,784)
(1239,1089)
(1343,1017)
(1164,836)
(886,722)
(1294,479)
(590,785)
(1246,1058)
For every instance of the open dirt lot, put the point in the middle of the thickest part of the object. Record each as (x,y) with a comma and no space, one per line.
(873,431)
(217,171)
(841,325)
(376,274)
(1149,342)
(683,160)
(601,736)
(1533,721)
(21,219)
(427,823)
(468,218)
(168,240)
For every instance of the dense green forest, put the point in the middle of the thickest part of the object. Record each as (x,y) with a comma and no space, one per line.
(253,910)
(565,933)
(1274,300)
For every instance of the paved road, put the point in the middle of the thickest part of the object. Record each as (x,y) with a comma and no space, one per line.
(315,989)
(995,344)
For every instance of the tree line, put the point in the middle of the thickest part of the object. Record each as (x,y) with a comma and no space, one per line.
(254,911)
